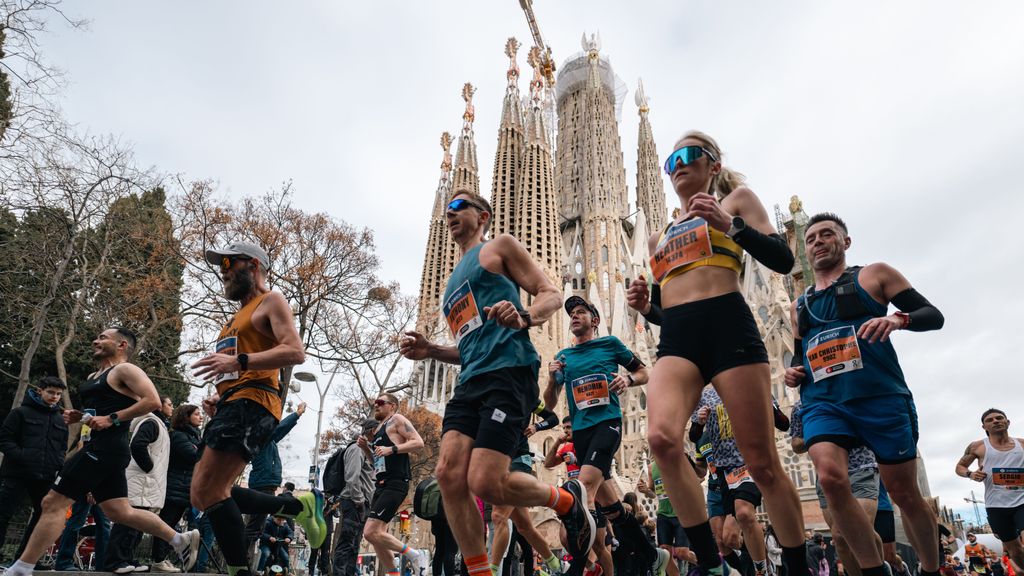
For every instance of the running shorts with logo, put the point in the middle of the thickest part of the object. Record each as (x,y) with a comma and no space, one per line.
(670,532)
(522,460)
(885,424)
(241,427)
(388,496)
(494,408)
(737,484)
(596,445)
(100,472)
(1007,523)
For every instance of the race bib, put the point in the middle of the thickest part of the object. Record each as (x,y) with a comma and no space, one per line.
(379,466)
(229,346)
(834,351)
(738,476)
(461,312)
(1008,478)
(683,244)
(590,391)
(659,489)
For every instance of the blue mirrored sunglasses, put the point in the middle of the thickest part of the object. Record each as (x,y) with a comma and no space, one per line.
(460,204)
(685,156)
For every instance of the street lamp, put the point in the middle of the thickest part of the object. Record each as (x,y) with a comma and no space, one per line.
(310,377)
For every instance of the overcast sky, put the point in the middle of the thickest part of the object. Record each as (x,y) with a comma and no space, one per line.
(904,117)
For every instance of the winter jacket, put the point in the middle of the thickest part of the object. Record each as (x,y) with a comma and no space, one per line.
(278,532)
(184,455)
(33,439)
(146,474)
(266,465)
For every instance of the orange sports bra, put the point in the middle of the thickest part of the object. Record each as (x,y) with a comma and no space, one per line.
(691,244)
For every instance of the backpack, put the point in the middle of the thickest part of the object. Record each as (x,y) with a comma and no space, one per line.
(334,472)
(426,503)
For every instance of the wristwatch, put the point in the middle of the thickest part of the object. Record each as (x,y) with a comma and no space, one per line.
(525,315)
(114,419)
(243,361)
(632,381)
(738,225)
(394,450)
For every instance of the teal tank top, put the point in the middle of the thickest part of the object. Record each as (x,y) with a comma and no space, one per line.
(484,345)
(840,366)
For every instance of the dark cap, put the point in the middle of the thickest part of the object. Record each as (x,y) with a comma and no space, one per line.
(369,424)
(574,301)
(239,249)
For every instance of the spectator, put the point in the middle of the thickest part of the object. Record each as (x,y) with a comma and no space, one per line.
(818,559)
(354,499)
(266,472)
(184,454)
(33,439)
(774,548)
(274,543)
(79,514)
(146,476)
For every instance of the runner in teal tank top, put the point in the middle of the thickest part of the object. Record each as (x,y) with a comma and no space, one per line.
(497,389)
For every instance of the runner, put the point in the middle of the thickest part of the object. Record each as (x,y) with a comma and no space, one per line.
(978,555)
(725,528)
(258,341)
(393,440)
(110,398)
(589,373)
(709,335)
(497,388)
(853,390)
(668,531)
(863,473)
(1001,468)
(564,451)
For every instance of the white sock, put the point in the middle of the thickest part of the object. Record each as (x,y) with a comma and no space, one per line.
(19,568)
(179,541)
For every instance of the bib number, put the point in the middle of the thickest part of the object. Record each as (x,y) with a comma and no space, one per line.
(738,476)
(379,466)
(834,351)
(590,391)
(659,489)
(684,243)
(229,346)
(1008,478)
(461,312)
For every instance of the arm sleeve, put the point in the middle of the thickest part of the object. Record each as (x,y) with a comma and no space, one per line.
(770,250)
(626,358)
(146,434)
(10,436)
(550,420)
(284,427)
(654,314)
(353,462)
(696,431)
(923,315)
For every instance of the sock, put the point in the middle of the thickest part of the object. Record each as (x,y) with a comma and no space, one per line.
(795,559)
(408,552)
(702,542)
(760,565)
(496,569)
(256,502)
(560,501)
(20,568)
(875,571)
(478,565)
(228,527)
(733,560)
(553,564)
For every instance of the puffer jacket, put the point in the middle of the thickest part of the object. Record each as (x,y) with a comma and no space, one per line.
(266,464)
(33,439)
(184,455)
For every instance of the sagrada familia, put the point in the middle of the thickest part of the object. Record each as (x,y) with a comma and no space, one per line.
(559,185)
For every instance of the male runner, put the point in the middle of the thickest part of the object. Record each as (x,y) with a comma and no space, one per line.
(589,373)
(251,349)
(724,527)
(978,555)
(668,530)
(563,451)
(853,390)
(497,388)
(393,440)
(1001,468)
(111,396)
(863,473)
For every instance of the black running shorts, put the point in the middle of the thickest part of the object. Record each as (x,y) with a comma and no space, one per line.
(1007,523)
(746,491)
(596,445)
(671,533)
(494,408)
(100,472)
(716,334)
(885,525)
(387,497)
(241,427)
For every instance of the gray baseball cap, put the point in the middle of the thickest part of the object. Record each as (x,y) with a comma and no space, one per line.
(239,249)
(369,424)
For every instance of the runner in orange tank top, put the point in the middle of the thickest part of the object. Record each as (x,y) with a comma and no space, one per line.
(251,349)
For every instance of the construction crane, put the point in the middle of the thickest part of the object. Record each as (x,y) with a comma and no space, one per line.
(977,512)
(547,64)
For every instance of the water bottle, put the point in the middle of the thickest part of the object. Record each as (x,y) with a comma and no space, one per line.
(87,416)
(559,374)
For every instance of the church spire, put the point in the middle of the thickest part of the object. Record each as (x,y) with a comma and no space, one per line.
(650,191)
(467,174)
(508,156)
(440,248)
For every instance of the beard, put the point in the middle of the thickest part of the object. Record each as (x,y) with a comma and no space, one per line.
(240,285)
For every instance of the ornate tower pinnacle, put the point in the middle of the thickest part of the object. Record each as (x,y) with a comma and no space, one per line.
(511,49)
(438,259)
(508,156)
(467,175)
(650,191)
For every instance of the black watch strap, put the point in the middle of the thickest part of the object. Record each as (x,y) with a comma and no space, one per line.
(525,315)
(394,450)
(243,361)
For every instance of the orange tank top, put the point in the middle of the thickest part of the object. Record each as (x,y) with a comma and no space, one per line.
(240,336)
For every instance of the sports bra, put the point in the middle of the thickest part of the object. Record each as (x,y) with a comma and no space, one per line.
(685,246)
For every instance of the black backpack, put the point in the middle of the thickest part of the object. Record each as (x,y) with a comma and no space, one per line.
(426,502)
(334,472)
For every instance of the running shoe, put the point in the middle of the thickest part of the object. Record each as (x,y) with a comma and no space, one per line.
(123,569)
(165,566)
(595,570)
(579,524)
(509,544)
(189,551)
(312,517)
(420,563)
(661,562)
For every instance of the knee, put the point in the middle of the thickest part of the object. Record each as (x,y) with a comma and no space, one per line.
(487,485)
(764,469)
(370,532)
(834,482)
(500,514)
(906,495)
(666,442)
(449,479)
(118,514)
(52,503)
(745,516)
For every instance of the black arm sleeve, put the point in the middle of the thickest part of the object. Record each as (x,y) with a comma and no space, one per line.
(923,315)
(696,431)
(770,250)
(654,314)
(798,353)
(144,436)
(781,420)
(550,420)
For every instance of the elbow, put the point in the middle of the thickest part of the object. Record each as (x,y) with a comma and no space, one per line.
(785,263)
(298,356)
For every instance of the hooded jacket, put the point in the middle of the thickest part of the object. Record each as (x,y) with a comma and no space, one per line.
(34,440)
(184,455)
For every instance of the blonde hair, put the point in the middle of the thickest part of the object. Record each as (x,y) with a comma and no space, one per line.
(727,179)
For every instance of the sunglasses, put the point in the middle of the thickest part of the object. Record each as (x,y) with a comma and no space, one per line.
(460,204)
(685,156)
(380,402)
(226,262)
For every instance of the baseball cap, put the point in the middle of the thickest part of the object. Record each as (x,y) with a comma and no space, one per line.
(239,249)
(574,301)
(369,423)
